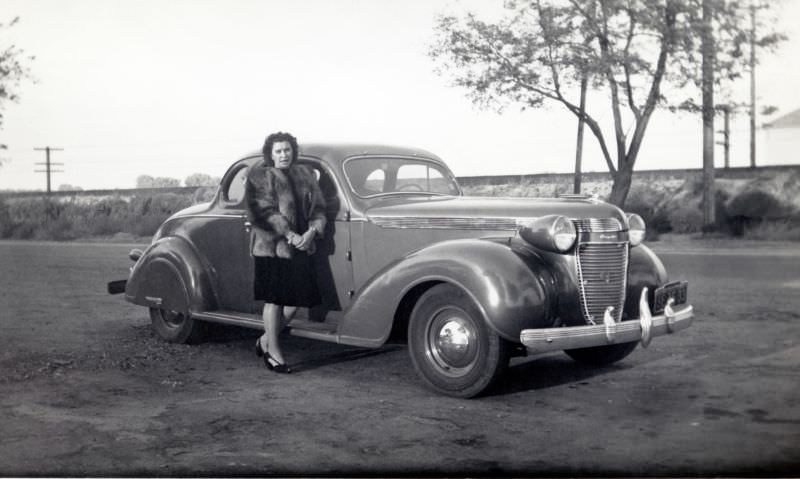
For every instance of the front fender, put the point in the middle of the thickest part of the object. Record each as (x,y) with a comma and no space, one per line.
(510,289)
(645,269)
(171,275)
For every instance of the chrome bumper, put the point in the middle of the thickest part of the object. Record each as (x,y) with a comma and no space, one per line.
(610,332)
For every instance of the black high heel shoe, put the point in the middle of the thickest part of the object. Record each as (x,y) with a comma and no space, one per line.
(273,365)
(259,351)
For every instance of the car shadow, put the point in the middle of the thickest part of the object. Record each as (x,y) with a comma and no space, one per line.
(552,370)
(524,373)
(338,357)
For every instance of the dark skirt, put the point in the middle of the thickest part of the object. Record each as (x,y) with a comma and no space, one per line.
(286,282)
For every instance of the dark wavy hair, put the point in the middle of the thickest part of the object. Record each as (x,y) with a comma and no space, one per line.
(274,138)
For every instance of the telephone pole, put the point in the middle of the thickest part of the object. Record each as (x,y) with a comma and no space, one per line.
(726,134)
(576,185)
(708,117)
(48,164)
(752,84)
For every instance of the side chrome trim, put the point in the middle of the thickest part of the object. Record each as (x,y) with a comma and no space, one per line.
(647,327)
(403,222)
(586,225)
(215,215)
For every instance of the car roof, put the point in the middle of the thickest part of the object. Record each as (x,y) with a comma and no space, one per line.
(338,152)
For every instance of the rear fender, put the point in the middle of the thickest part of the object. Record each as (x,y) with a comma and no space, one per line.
(171,275)
(510,288)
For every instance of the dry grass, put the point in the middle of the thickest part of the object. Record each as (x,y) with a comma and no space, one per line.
(764,207)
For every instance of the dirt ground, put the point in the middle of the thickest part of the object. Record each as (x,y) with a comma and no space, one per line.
(86,389)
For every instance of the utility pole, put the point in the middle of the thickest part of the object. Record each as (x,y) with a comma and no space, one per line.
(576,186)
(48,164)
(726,134)
(707,47)
(752,84)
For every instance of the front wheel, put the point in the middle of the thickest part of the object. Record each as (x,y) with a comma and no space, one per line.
(602,355)
(176,327)
(451,346)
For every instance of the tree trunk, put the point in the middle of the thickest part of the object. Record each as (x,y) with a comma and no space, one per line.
(621,186)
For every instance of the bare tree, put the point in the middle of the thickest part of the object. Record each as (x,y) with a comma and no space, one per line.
(147,181)
(629,49)
(201,179)
(13,71)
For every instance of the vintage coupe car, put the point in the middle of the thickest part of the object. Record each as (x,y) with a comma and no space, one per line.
(468,282)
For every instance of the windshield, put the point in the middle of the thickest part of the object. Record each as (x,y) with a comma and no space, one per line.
(380,176)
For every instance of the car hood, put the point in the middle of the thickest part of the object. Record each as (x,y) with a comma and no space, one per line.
(491,208)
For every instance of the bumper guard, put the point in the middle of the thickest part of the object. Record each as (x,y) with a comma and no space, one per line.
(610,332)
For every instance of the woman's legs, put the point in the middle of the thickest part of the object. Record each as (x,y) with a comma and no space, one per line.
(272,327)
(275,318)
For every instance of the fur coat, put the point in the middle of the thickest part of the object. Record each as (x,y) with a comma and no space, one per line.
(271,207)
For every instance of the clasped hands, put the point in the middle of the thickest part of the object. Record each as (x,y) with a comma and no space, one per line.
(301,242)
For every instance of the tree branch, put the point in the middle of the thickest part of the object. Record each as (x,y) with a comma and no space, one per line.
(605,50)
(653,96)
(626,63)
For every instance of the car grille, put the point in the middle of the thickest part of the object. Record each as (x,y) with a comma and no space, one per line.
(597,225)
(602,276)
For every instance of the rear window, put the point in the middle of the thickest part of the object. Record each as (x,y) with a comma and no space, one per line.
(379,176)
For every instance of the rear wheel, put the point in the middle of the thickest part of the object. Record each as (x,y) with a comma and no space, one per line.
(176,327)
(451,346)
(602,355)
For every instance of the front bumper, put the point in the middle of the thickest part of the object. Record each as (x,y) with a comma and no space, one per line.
(610,332)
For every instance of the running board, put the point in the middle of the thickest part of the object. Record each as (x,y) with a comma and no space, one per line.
(252,321)
(313,330)
(299,326)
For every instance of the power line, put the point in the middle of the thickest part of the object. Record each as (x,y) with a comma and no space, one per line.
(48,164)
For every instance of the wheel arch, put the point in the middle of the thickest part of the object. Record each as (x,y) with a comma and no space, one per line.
(190,288)
(516,299)
(402,314)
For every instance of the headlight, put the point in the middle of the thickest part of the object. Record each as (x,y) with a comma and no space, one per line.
(636,229)
(552,233)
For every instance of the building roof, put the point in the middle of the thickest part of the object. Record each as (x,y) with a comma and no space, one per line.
(789,120)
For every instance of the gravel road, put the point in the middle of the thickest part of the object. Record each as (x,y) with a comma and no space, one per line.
(86,388)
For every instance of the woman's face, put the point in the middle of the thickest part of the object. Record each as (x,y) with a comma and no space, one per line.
(282,154)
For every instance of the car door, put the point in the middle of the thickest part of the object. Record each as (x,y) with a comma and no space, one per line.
(225,244)
(333,258)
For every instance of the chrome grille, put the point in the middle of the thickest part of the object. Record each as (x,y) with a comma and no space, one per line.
(602,276)
(597,225)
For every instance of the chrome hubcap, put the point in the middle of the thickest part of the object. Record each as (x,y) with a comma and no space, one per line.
(452,344)
(172,319)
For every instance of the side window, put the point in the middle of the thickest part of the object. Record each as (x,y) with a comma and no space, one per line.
(235,191)
(420,177)
(374,183)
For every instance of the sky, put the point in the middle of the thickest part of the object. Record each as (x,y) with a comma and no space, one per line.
(172,88)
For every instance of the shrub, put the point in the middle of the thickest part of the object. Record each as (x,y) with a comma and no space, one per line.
(145,225)
(6,224)
(777,230)
(757,204)
(44,218)
(686,219)
(61,228)
(646,202)
(106,225)
(204,194)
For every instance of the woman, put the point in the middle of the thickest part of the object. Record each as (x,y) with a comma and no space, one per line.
(287,211)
